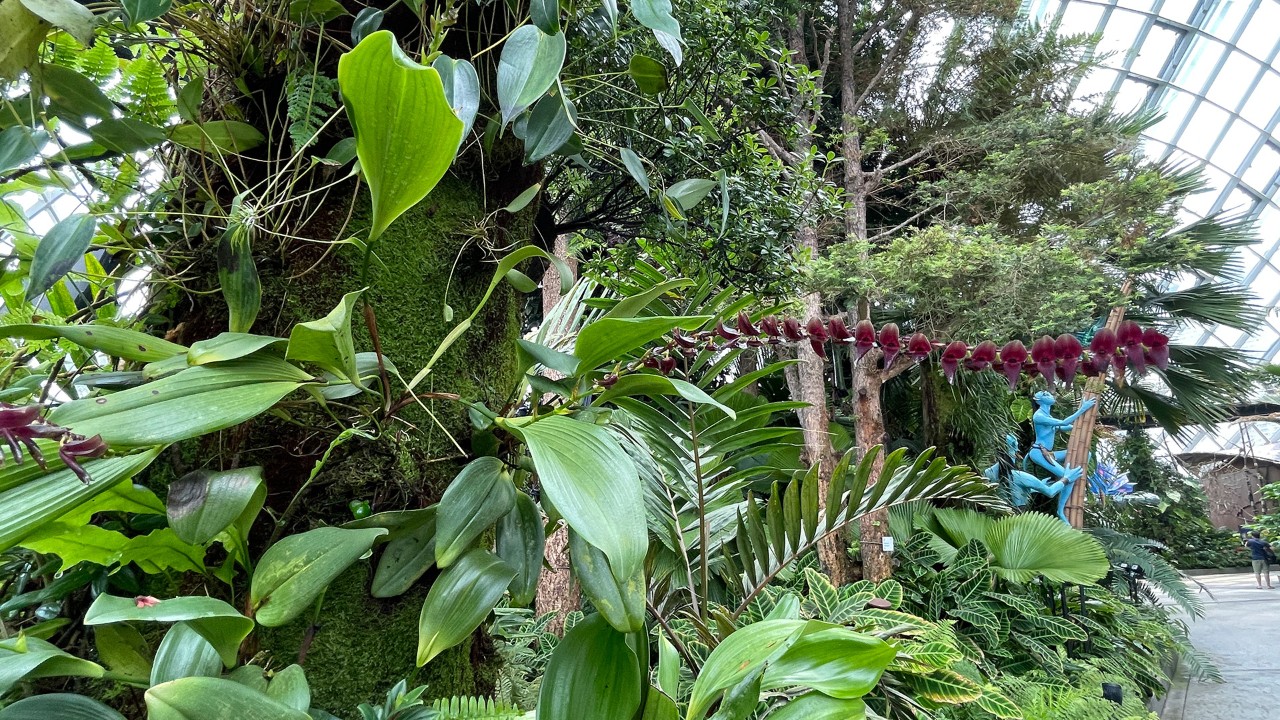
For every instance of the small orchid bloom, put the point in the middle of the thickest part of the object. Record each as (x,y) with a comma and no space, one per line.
(791,330)
(919,347)
(744,325)
(145,601)
(1067,348)
(838,330)
(983,356)
(890,343)
(1130,338)
(770,326)
(1103,347)
(1012,356)
(1044,353)
(864,337)
(951,357)
(727,333)
(1157,347)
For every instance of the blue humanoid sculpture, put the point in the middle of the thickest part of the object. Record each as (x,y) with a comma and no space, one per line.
(1021,483)
(1042,453)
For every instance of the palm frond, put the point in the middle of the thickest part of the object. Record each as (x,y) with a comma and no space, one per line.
(1122,547)
(1208,303)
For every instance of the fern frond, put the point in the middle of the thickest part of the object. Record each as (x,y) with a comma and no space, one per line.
(148,91)
(474,708)
(309,99)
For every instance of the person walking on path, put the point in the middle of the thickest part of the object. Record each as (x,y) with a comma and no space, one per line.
(1259,550)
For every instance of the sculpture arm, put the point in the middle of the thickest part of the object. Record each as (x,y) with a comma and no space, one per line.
(1085,406)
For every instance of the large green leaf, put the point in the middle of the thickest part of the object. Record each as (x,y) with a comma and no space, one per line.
(327,342)
(459,600)
(656,15)
(649,74)
(76,543)
(19,144)
(162,550)
(833,660)
(69,15)
(59,250)
(205,698)
(476,499)
(290,687)
(592,667)
(203,503)
(293,572)
(211,618)
(407,557)
(31,658)
(143,10)
(23,31)
(737,656)
(1032,544)
(550,126)
(195,401)
(461,88)
(217,136)
(184,653)
(620,600)
(114,341)
(816,706)
(612,338)
(655,385)
(230,346)
(31,497)
(520,543)
(124,651)
(62,706)
(530,63)
(406,133)
(594,485)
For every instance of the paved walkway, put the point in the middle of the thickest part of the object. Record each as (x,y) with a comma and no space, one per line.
(1241,632)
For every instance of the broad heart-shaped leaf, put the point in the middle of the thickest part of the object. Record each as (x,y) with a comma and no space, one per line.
(476,499)
(461,89)
(206,698)
(211,618)
(594,485)
(195,401)
(546,15)
(293,572)
(620,600)
(19,144)
(217,136)
(184,653)
(31,497)
(520,544)
(327,342)
(649,75)
(459,600)
(833,660)
(66,14)
(654,385)
(550,126)
(1031,544)
(406,133)
(62,706)
(143,10)
(592,667)
(614,338)
(28,657)
(816,706)
(114,341)
(203,503)
(59,251)
(656,15)
(23,31)
(530,63)
(407,557)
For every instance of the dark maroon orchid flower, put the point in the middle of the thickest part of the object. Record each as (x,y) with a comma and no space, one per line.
(1130,338)
(952,354)
(864,337)
(817,335)
(919,347)
(71,452)
(983,356)
(666,365)
(1157,347)
(1067,348)
(727,333)
(1103,347)
(744,325)
(838,330)
(890,343)
(769,325)
(684,341)
(1012,356)
(791,330)
(1044,353)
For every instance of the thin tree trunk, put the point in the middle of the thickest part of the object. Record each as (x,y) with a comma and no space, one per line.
(870,432)
(557,590)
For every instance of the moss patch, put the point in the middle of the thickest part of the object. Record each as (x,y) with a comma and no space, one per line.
(362,646)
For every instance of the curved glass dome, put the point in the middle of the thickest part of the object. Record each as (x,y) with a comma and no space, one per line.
(1212,67)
